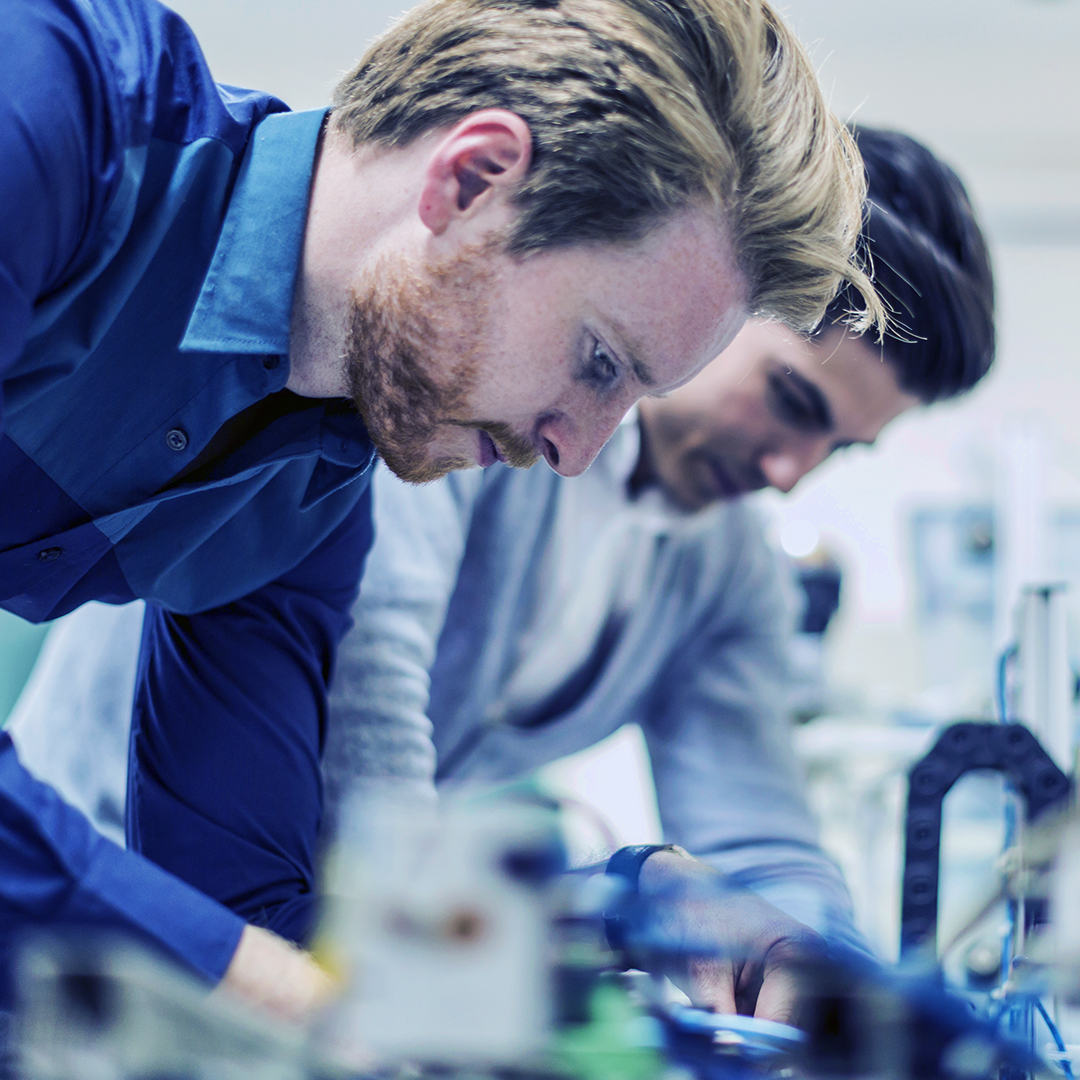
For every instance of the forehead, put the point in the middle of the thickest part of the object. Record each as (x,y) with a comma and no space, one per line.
(671,300)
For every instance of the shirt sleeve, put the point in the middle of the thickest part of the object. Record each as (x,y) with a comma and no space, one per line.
(57,160)
(379,700)
(58,165)
(55,869)
(728,787)
(229,722)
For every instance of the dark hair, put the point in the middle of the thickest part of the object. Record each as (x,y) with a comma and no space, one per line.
(930,266)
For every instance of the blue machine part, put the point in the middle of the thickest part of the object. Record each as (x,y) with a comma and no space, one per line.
(721,1046)
(757,1038)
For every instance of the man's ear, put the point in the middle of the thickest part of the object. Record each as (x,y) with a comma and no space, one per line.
(482,158)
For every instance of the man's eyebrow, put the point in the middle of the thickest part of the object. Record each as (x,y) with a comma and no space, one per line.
(625,349)
(816,401)
(640,369)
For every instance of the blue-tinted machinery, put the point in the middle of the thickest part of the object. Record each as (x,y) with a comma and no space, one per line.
(480,964)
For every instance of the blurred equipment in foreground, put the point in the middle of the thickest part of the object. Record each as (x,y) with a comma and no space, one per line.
(464,952)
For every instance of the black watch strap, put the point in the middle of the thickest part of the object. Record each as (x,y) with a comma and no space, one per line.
(626,863)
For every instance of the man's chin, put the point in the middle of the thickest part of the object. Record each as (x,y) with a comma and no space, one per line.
(424,470)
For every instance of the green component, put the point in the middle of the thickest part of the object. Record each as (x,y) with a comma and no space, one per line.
(618,1043)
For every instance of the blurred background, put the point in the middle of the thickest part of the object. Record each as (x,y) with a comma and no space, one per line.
(936,528)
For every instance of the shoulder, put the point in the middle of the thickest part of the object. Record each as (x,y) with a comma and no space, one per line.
(133,69)
(728,571)
(729,537)
(84,85)
(163,86)
(62,135)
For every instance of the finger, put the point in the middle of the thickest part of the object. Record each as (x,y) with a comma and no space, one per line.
(778,996)
(712,985)
(274,975)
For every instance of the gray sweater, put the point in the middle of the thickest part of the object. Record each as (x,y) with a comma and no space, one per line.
(509,618)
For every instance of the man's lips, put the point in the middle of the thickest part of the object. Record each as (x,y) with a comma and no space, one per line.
(489,450)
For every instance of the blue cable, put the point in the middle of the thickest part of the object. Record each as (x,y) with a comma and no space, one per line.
(1066,1066)
(1002,680)
(1002,702)
(1008,939)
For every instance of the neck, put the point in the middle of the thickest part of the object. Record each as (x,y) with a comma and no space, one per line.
(644,475)
(316,344)
(361,206)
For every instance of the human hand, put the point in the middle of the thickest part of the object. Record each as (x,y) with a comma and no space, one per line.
(271,973)
(757,949)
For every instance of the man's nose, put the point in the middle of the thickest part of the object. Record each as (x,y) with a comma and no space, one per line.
(783,469)
(569,446)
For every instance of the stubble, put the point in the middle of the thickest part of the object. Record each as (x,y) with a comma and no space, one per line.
(410,357)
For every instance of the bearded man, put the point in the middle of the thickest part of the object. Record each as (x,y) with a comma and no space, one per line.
(517,219)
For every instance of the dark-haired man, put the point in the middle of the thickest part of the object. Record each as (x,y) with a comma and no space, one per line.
(546,613)
(775,405)
(509,618)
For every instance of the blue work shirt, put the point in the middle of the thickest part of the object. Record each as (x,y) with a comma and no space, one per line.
(149,247)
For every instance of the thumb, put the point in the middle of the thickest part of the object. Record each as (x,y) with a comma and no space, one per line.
(778,996)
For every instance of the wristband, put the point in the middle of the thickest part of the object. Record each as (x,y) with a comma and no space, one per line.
(626,863)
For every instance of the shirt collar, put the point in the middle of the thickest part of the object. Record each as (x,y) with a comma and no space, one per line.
(245,305)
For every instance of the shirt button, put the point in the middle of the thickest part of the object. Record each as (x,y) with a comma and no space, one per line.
(49,554)
(176,439)
(271,362)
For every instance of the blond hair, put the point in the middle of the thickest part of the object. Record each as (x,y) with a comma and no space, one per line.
(639,109)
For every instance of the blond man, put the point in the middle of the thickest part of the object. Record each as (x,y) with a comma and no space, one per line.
(517,219)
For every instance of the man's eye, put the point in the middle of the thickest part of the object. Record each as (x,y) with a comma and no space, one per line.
(602,370)
(789,406)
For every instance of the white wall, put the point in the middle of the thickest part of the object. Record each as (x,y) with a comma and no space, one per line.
(994,87)
(296,49)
